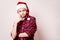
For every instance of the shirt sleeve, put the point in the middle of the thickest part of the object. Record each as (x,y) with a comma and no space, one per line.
(31,27)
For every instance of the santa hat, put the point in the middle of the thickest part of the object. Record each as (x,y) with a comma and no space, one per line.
(22,5)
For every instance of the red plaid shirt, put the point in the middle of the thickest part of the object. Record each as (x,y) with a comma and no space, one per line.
(28,25)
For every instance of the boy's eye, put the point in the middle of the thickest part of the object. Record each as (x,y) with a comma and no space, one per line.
(19,11)
(23,10)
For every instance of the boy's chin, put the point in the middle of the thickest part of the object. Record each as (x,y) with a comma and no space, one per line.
(22,16)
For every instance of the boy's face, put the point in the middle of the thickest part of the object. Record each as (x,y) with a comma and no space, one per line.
(22,12)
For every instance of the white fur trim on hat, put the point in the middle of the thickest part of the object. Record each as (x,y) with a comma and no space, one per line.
(21,6)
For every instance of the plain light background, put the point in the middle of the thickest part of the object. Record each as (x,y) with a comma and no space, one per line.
(47,13)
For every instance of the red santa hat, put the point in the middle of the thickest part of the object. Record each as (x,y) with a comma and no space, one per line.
(22,5)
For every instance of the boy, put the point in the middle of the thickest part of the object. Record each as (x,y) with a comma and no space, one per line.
(25,28)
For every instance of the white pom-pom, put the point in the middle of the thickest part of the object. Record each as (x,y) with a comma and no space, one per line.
(28,18)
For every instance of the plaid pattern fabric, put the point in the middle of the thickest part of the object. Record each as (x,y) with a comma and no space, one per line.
(29,26)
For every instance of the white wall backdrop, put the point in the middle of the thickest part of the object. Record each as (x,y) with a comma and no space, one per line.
(47,13)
